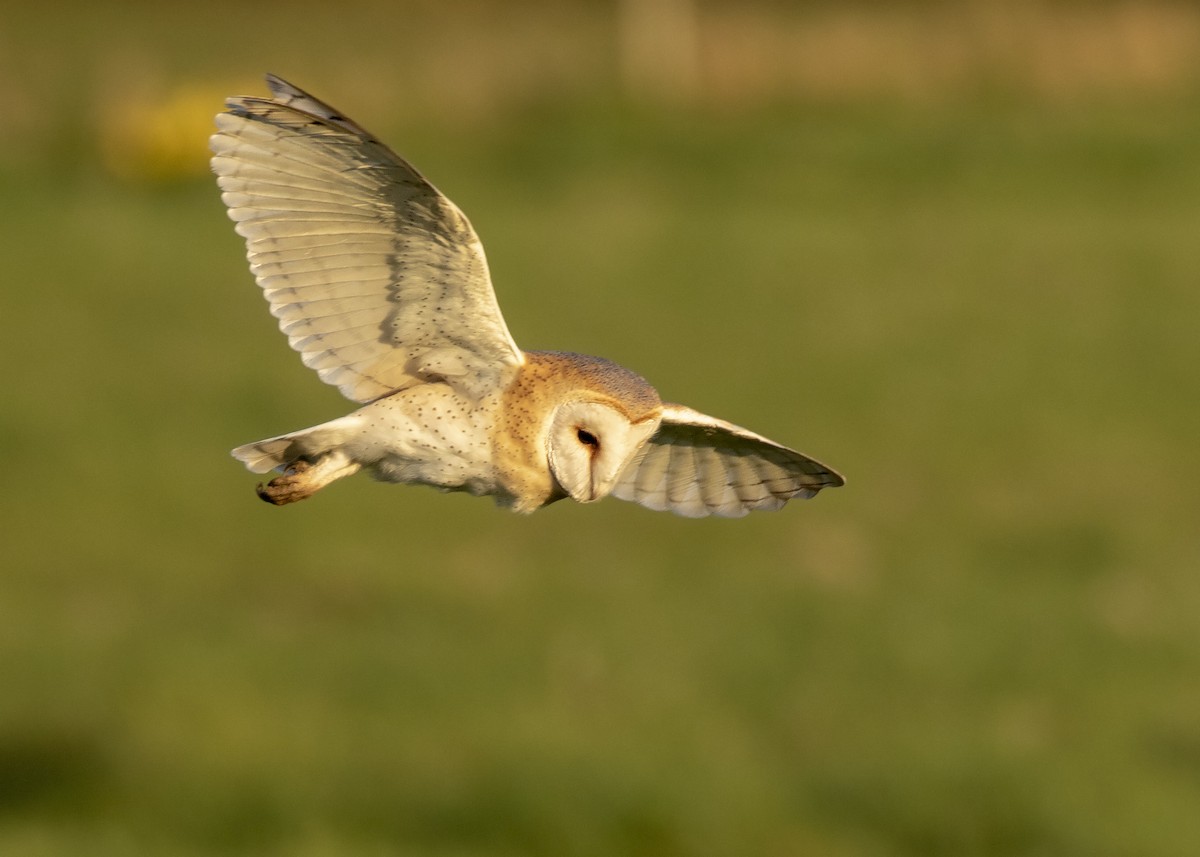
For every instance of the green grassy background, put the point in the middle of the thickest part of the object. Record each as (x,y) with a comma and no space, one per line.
(982,309)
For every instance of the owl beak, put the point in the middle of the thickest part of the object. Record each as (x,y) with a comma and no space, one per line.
(592,492)
(595,487)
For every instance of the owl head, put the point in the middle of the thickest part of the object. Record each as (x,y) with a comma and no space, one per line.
(589,443)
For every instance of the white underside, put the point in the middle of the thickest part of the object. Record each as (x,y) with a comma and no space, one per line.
(426,435)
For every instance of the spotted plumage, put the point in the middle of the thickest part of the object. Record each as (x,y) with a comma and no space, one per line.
(381,284)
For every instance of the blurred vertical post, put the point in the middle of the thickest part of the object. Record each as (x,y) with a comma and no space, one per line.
(659,46)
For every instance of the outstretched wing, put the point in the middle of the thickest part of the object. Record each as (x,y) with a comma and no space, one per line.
(377,279)
(696,465)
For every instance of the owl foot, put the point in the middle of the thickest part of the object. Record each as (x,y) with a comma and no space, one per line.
(303,478)
(288,488)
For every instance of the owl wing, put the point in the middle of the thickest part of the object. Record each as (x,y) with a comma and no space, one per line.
(377,279)
(696,465)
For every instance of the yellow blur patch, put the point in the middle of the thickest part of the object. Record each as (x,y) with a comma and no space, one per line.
(161,139)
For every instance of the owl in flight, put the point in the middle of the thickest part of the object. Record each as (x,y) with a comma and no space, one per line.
(380,283)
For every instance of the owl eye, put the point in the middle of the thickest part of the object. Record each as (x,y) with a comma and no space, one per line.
(587,438)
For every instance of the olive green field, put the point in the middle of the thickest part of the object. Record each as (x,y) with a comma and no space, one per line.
(977,295)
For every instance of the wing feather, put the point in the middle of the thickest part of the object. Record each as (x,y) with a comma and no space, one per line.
(375,276)
(645,478)
(696,465)
(683,490)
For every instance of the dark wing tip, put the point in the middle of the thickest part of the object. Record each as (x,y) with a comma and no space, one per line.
(280,88)
(291,96)
(836,480)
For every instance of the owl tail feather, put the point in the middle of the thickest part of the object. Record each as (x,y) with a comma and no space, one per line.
(264,455)
(279,453)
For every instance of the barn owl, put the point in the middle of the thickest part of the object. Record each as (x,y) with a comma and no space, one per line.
(380,282)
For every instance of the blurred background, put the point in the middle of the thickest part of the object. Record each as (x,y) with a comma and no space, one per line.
(949,248)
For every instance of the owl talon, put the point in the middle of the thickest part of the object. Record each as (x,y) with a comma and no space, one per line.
(281,491)
(303,478)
